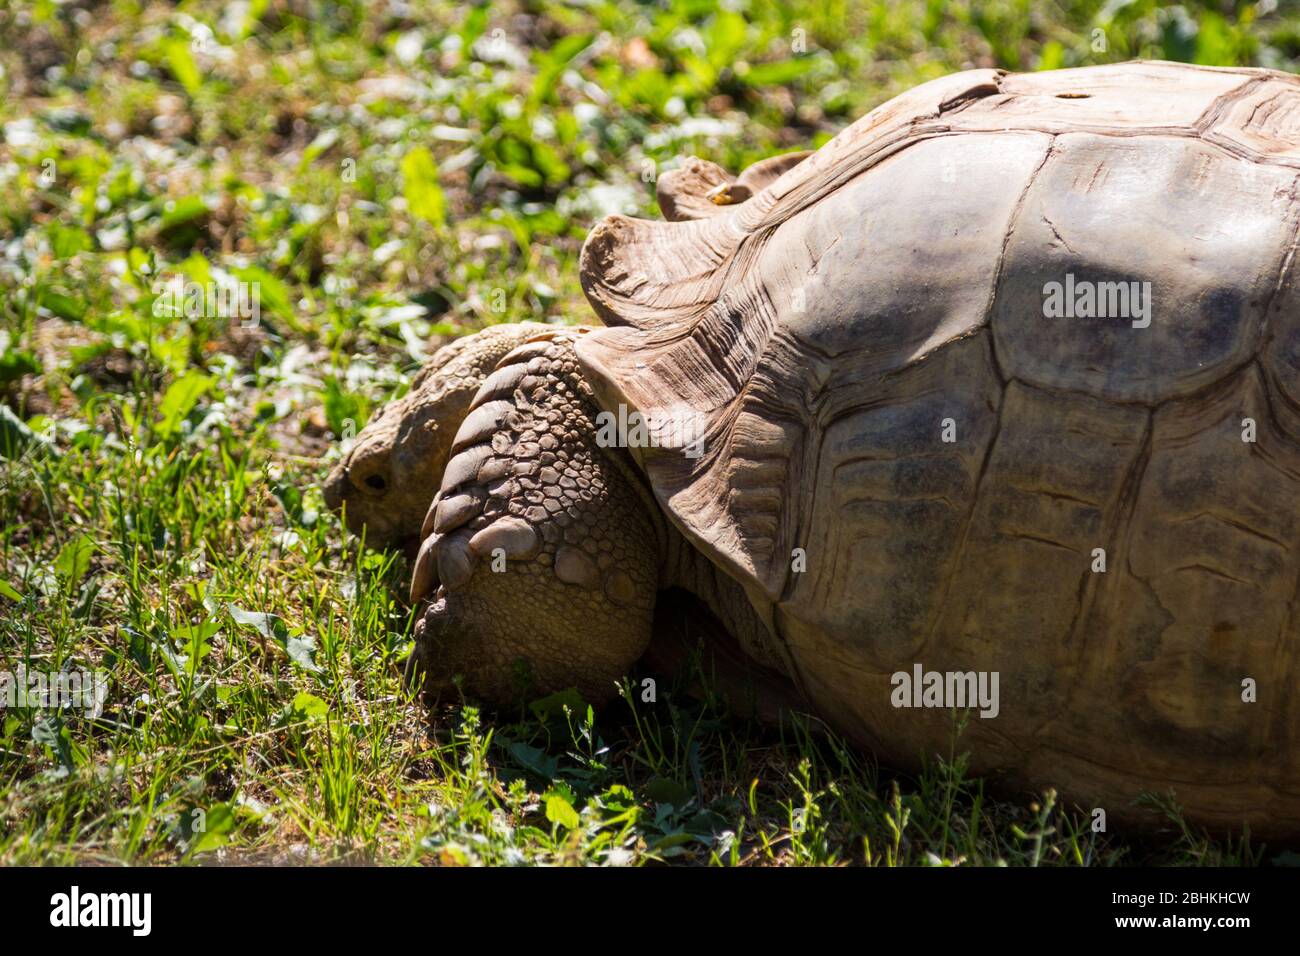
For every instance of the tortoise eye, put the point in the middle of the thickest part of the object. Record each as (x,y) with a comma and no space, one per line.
(376,482)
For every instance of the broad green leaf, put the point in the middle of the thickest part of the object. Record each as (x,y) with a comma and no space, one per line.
(196,640)
(341,407)
(553,705)
(270,293)
(554,62)
(551,164)
(218,823)
(260,621)
(476,22)
(180,211)
(534,760)
(173,351)
(74,559)
(674,839)
(181,62)
(1215,44)
(123,186)
(179,400)
(68,120)
(15,434)
(1051,57)
(420,186)
(290,497)
(663,790)
(8,590)
(726,37)
(523,175)
(323,141)
(618,798)
(14,364)
(779,73)
(196,267)
(560,810)
(67,241)
(64,306)
(300,648)
(310,706)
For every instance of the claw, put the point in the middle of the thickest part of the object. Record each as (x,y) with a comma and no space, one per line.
(500,384)
(464,467)
(426,528)
(537,346)
(494,470)
(455,560)
(482,423)
(425,576)
(514,536)
(457,510)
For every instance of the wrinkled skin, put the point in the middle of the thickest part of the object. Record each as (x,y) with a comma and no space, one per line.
(386,480)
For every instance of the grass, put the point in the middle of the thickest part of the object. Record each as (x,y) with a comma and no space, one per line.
(391,177)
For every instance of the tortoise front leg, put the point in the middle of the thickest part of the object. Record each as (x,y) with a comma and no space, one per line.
(385,483)
(542,545)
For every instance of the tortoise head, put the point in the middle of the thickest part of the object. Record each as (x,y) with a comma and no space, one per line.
(385,482)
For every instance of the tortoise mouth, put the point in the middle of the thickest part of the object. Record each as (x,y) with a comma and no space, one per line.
(334,488)
(370,525)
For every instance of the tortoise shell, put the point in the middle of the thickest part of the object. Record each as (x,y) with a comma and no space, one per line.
(1005,377)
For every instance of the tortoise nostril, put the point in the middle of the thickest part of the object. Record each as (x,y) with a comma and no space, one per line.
(376,482)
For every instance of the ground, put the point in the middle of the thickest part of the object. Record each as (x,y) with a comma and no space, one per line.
(389,176)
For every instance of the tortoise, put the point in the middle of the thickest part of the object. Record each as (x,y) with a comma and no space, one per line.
(1002,382)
